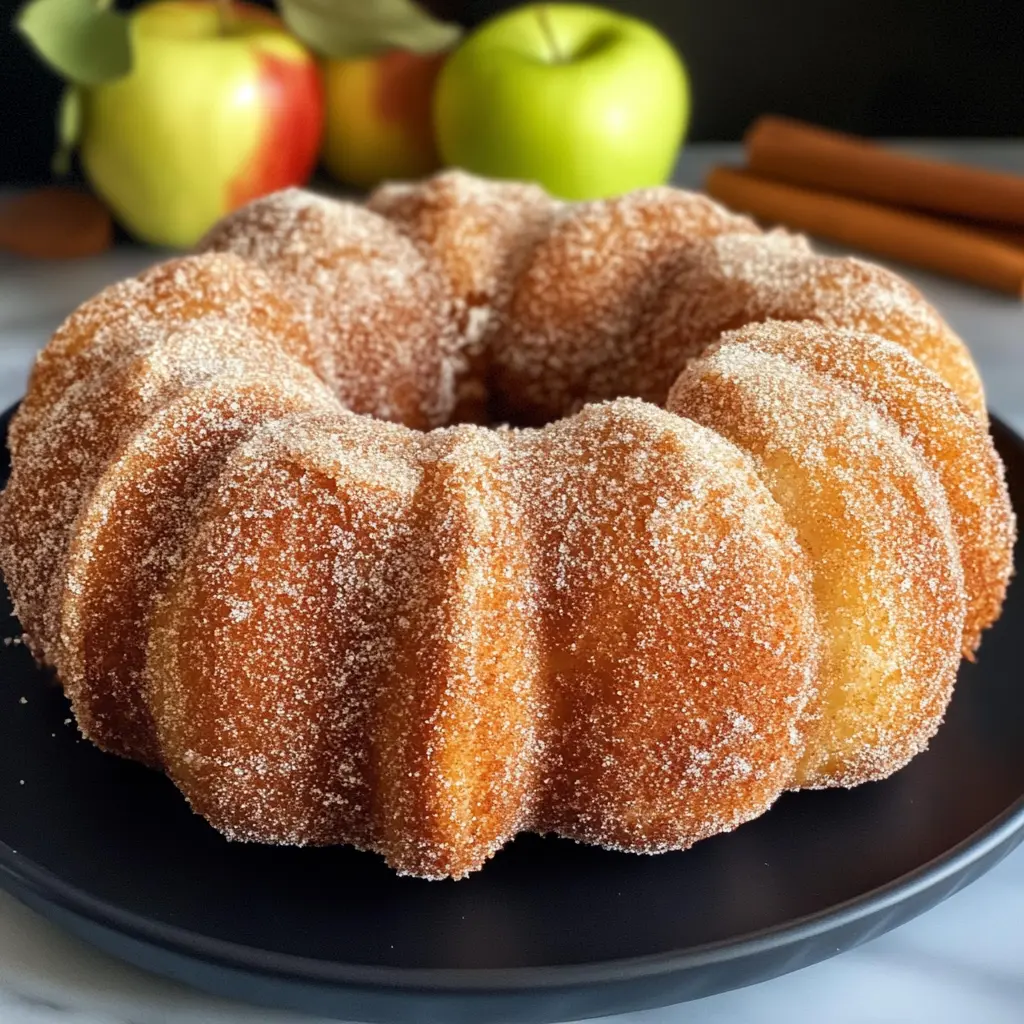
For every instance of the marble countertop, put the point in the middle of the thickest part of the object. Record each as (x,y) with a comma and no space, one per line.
(962,961)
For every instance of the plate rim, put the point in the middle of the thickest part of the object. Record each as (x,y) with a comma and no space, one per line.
(19,873)
(45,885)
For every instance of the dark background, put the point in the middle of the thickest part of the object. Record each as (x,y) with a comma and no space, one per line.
(878,67)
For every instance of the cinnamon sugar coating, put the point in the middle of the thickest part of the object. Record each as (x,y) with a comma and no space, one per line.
(480,234)
(584,294)
(733,280)
(116,361)
(873,519)
(446,664)
(942,429)
(379,314)
(250,530)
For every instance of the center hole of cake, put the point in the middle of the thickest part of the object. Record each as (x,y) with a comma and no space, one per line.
(480,403)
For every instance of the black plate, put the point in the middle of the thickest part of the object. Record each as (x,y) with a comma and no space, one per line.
(548,930)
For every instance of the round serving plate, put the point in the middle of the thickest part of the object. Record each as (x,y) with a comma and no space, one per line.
(548,930)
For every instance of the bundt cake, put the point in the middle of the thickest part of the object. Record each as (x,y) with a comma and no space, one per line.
(735,522)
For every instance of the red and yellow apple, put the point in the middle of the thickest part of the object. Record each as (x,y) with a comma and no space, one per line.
(378,117)
(222,105)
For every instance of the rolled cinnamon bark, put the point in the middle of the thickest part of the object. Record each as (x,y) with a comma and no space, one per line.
(804,154)
(910,237)
(1008,236)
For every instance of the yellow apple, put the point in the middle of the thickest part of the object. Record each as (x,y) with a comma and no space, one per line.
(378,117)
(220,106)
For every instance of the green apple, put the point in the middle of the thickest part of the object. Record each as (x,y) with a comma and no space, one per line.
(222,105)
(584,100)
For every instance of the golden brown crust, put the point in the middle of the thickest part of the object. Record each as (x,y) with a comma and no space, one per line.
(931,417)
(479,233)
(476,230)
(132,314)
(116,361)
(677,635)
(874,522)
(264,666)
(443,666)
(628,627)
(733,280)
(583,295)
(379,314)
(459,719)
(129,536)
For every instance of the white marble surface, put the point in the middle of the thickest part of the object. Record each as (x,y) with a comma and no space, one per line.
(961,962)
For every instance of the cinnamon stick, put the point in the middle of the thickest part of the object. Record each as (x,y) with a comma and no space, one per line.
(1008,236)
(913,238)
(804,154)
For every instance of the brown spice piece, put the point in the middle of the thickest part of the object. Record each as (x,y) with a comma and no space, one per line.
(55,223)
(997,232)
(804,154)
(926,242)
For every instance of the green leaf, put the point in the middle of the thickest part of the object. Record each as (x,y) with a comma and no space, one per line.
(360,28)
(80,39)
(69,128)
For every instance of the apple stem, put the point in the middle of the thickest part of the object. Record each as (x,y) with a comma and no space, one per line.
(544,17)
(226,16)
